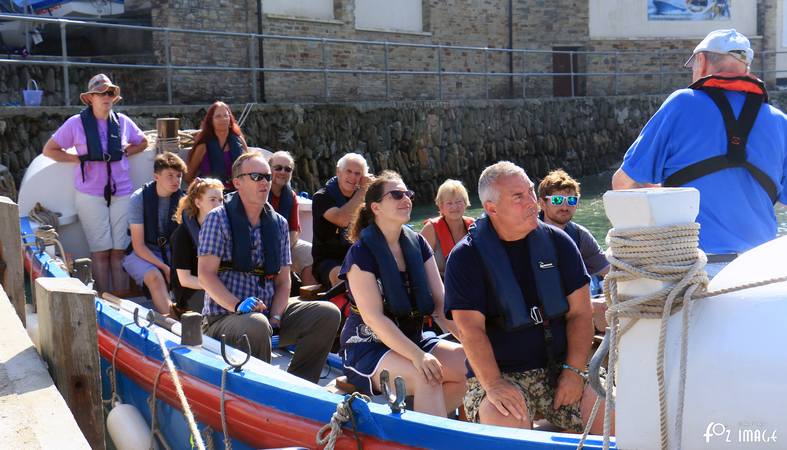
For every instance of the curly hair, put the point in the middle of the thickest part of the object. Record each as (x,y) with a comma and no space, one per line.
(196,189)
(363,215)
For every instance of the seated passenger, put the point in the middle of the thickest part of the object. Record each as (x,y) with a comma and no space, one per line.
(384,332)
(443,232)
(104,141)
(150,224)
(286,204)
(244,267)
(217,145)
(203,195)
(332,208)
(518,292)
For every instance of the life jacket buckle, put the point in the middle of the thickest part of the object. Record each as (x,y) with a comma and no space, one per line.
(535,314)
(545,265)
(162,241)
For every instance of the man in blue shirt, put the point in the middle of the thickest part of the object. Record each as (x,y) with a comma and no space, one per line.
(244,267)
(722,137)
(518,292)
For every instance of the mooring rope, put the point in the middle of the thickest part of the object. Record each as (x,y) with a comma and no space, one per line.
(331,431)
(668,254)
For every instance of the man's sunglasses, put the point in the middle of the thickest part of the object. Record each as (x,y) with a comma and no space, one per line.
(256,176)
(108,93)
(398,194)
(557,200)
(278,168)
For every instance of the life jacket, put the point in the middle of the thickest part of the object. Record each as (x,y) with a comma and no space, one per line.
(507,292)
(155,237)
(332,188)
(737,130)
(192,226)
(94,151)
(216,155)
(396,300)
(285,202)
(240,230)
(443,233)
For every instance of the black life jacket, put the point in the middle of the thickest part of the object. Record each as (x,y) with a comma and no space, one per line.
(94,151)
(155,237)
(507,292)
(332,188)
(215,155)
(285,202)
(192,226)
(396,300)
(737,131)
(240,230)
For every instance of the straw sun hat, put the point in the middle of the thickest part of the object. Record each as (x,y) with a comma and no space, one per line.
(97,85)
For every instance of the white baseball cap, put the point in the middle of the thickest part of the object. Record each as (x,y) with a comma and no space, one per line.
(728,42)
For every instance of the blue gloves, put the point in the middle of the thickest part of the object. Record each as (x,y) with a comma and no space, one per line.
(246,306)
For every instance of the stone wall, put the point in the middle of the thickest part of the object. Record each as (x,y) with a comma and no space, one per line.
(426,142)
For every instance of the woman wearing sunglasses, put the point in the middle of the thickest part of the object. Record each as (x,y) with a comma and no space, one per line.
(203,195)
(217,145)
(393,283)
(102,176)
(443,232)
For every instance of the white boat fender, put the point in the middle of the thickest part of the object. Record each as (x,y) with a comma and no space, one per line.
(128,428)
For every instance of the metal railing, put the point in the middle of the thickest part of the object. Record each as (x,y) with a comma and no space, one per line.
(325,69)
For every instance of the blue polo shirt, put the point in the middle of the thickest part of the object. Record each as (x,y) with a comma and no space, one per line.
(736,213)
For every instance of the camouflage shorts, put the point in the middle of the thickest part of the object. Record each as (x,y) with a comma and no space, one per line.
(539,397)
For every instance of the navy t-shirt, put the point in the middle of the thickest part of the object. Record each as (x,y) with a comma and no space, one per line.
(467,287)
(361,256)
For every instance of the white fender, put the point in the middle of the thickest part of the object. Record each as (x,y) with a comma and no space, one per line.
(128,428)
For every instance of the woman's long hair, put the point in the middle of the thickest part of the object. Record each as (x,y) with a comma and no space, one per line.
(196,189)
(363,215)
(206,130)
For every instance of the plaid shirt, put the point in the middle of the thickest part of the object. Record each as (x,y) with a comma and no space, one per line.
(215,240)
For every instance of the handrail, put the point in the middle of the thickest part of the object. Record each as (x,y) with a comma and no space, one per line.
(439,66)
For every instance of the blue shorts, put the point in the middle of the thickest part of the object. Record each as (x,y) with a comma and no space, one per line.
(138,267)
(360,360)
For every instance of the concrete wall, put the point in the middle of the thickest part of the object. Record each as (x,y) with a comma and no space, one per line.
(426,142)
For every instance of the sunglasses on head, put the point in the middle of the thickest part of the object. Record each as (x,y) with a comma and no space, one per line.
(557,200)
(256,176)
(278,168)
(399,194)
(108,93)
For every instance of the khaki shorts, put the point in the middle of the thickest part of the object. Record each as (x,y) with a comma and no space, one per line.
(301,256)
(539,397)
(105,228)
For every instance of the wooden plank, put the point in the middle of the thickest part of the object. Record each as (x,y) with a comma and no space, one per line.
(68,342)
(11,253)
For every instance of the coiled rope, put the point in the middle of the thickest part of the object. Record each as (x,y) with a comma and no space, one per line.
(331,431)
(668,254)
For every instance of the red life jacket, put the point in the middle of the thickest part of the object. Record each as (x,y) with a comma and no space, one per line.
(443,233)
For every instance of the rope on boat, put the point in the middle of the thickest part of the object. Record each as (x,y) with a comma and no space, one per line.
(184,403)
(224,429)
(114,397)
(667,254)
(331,431)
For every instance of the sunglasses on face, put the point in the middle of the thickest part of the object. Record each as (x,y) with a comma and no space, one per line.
(557,200)
(108,93)
(278,168)
(256,176)
(399,194)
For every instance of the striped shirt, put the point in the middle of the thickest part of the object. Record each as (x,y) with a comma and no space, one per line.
(215,239)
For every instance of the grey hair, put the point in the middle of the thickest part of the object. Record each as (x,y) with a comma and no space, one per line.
(724,62)
(282,154)
(352,157)
(487,183)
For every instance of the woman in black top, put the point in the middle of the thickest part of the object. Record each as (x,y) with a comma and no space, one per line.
(203,195)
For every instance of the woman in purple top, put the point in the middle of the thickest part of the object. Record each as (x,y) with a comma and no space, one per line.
(104,140)
(217,146)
